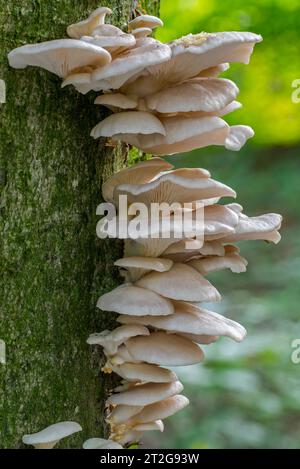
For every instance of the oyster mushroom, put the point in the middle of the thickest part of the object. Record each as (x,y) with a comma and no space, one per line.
(50,436)
(86,27)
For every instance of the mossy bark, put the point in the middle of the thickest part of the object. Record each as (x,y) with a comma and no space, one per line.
(52,266)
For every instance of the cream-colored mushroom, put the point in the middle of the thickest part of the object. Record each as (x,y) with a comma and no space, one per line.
(198,94)
(136,266)
(86,27)
(141,32)
(238,135)
(145,394)
(140,122)
(62,56)
(116,101)
(111,340)
(145,21)
(161,410)
(145,373)
(193,287)
(50,436)
(132,299)
(264,227)
(113,44)
(122,413)
(191,319)
(160,348)
(100,443)
(140,173)
(231,260)
(174,186)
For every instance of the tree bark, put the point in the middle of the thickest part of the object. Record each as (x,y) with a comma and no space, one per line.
(52,266)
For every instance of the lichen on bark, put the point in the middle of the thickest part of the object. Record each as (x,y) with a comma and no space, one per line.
(52,266)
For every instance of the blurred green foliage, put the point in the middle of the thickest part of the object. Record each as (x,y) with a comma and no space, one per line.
(266,84)
(248,395)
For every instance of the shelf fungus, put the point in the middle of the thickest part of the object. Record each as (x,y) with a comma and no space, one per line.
(164,99)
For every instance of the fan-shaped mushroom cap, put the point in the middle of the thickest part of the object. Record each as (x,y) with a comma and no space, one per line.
(145,373)
(130,121)
(131,299)
(175,186)
(238,136)
(122,413)
(47,438)
(161,410)
(115,101)
(131,62)
(113,44)
(191,319)
(198,94)
(86,27)
(182,134)
(111,340)
(263,227)
(160,348)
(144,394)
(138,174)
(231,260)
(100,443)
(147,263)
(141,32)
(193,287)
(194,54)
(61,56)
(145,21)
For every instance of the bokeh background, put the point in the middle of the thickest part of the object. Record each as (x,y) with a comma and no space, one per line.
(248,395)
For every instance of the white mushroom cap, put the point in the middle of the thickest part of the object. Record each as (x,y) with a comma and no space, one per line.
(131,62)
(182,134)
(160,348)
(111,340)
(122,413)
(198,94)
(232,260)
(61,56)
(193,287)
(47,438)
(161,410)
(264,227)
(238,136)
(141,32)
(131,299)
(194,54)
(116,101)
(86,27)
(191,319)
(144,394)
(100,443)
(145,21)
(145,373)
(174,186)
(138,174)
(113,44)
(126,122)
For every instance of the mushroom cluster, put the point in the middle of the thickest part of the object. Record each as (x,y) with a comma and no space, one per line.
(165,98)
(160,305)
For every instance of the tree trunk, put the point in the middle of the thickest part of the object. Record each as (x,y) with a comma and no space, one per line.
(52,266)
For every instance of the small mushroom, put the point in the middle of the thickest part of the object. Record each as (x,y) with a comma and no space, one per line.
(100,443)
(86,27)
(145,394)
(145,372)
(193,287)
(140,122)
(231,260)
(111,340)
(145,21)
(131,299)
(141,32)
(160,348)
(50,436)
(161,410)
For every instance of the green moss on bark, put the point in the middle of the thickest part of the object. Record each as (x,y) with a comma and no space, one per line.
(52,266)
